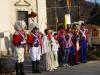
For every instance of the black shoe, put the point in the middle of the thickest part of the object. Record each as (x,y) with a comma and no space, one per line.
(34,66)
(61,65)
(38,71)
(22,69)
(17,67)
(37,67)
(22,74)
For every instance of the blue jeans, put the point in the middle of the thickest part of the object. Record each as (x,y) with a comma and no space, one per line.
(83,50)
(61,57)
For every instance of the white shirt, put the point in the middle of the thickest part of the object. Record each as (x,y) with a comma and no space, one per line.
(55,45)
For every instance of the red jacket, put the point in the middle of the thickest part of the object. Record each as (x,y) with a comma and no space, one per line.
(16,39)
(33,40)
(30,39)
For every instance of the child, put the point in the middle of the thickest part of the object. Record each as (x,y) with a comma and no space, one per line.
(55,47)
(47,43)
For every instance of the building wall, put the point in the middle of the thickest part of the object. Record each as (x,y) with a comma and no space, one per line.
(42,14)
(8,16)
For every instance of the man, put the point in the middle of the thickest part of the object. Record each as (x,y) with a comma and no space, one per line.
(19,43)
(34,48)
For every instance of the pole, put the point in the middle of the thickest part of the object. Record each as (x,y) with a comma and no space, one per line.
(56,13)
(78,9)
(68,4)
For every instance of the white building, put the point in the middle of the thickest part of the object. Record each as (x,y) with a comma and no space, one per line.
(12,10)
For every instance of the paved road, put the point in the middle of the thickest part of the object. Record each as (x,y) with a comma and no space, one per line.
(91,68)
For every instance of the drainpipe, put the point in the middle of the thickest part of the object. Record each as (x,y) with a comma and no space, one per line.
(37,10)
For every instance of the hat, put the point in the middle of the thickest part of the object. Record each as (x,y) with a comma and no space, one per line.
(17,25)
(20,24)
(33,25)
(23,24)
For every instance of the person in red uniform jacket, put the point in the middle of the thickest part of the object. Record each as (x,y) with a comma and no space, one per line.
(19,43)
(35,49)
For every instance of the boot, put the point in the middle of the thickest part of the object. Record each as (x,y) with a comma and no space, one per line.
(37,67)
(34,66)
(17,67)
(22,69)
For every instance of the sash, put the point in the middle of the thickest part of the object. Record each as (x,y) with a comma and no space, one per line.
(83,34)
(22,39)
(36,42)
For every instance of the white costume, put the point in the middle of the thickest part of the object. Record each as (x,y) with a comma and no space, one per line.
(47,53)
(55,47)
(20,49)
(34,48)
(35,51)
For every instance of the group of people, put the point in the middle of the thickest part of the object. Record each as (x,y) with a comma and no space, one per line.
(73,45)
(56,48)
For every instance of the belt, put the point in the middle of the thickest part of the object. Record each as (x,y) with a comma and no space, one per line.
(33,46)
(20,46)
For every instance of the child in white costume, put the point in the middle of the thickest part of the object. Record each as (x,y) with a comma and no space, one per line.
(55,47)
(47,52)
